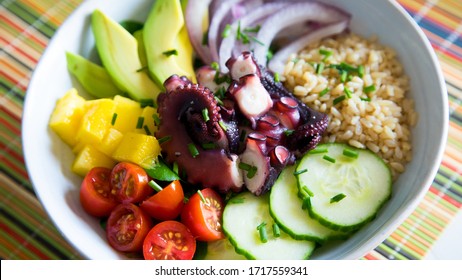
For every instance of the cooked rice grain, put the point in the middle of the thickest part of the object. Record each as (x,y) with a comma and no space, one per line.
(379,120)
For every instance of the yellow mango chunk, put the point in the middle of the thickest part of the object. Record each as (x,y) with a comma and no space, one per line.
(138,148)
(67,115)
(127,111)
(90,157)
(96,121)
(149,127)
(111,141)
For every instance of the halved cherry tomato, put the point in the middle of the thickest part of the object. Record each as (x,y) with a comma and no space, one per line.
(95,192)
(169,240)
(166,204)
(126,228)
(203,215)
(130,183)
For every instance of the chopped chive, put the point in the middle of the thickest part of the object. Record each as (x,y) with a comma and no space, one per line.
(218,100)
(155,186)
(325,52)
(328,158)
(114,118)
(238,200)
(205,114)
(276,78)
(347,92)
(209,146)
(193,150)
(257,41)
(164,139)
(156,119)
(170,53)
(324,92)
(252,29)
(361,71)
(185,200)
(289,132)
(319,68)
(337,198)
(269,55)
(146,129)
(226,31)
(223,125)
(343,76)
(318,150)
(306,203)
(369,89)
(348,67)
(298,172)
(202,197)
(146,102)
(251,173)
(367,99)
(276,231)
(263,234)
(215,66)
(139,123)
(339,99)
(350,153)
(220,93)
(251,170)
(308,192)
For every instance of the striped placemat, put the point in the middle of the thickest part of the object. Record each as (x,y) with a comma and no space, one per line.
(26,232)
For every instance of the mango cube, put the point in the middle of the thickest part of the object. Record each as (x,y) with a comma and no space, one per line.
(149,127)
(138,148)
(127,111)
(67,115)
(90,157)
(96,121)
(110,141)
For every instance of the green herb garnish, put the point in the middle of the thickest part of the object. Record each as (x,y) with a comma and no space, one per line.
(337,198)
(170,52)
(193,150)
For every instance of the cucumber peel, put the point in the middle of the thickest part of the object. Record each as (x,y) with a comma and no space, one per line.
(345,194)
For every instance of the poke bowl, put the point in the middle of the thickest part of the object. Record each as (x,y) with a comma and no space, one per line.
(364,56)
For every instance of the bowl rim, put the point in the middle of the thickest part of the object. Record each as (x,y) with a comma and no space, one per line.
(399,216)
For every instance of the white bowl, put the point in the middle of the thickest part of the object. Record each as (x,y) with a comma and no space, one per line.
(48,159)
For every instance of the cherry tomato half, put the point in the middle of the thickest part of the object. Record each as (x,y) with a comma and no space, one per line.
(130,183)
(95,192)
(166,204)
(203,215)
(169,240)
(126,228)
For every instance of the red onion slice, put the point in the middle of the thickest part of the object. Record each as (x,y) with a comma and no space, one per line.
(216,21)
(276,64)
(293,14)
(195,13)
(256,16)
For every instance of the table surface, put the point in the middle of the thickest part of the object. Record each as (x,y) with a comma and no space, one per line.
(26,26)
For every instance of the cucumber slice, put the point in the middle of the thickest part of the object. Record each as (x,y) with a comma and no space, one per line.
(222,250)
(344,192)
(241,217)
(286,209)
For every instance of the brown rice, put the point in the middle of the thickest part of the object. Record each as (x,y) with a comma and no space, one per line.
(379,120)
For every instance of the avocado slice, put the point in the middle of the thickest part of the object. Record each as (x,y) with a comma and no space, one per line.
(168,49)
(118,51)
(93,77)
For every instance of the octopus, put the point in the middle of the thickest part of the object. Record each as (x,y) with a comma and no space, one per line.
(236,130)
